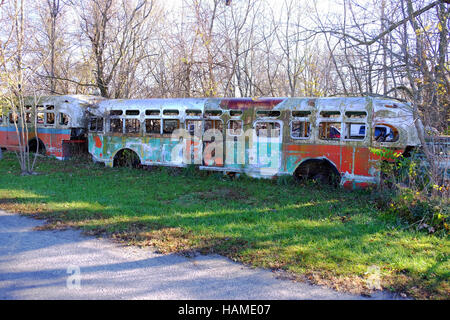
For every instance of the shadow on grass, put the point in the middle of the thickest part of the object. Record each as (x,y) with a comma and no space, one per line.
(255,221)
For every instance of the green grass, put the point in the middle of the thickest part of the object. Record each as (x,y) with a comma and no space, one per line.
(326,236)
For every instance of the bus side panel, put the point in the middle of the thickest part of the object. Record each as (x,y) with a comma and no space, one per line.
(354,164)
(361,163)
(152,150)
(52,139)
(4,131)
(346,163)
(172,151)
(95,146)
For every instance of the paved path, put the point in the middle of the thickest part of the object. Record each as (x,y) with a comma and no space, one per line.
(69,265)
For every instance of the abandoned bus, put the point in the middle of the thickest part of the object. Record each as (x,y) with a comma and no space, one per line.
(327,139)
(60,122)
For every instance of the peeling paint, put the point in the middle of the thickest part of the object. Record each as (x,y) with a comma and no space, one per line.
(258,157)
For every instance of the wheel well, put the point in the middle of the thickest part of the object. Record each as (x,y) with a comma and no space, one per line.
(322,168)
(126,158)
(33,143)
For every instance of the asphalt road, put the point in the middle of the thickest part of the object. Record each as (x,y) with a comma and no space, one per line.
(69,265)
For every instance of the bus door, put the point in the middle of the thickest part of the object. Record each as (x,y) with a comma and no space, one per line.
(267,146)
(194,148)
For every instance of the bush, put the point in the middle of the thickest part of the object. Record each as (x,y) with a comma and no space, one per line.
(407,191)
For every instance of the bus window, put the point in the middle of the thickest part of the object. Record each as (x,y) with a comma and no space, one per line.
(194,127)
(329,130)
(213,124)
(96,124)
(115,112)
(385,134)
(330,114)
(93,124)
(63,119)
(50,107)
(152,112)
(40,118)
(301,114)
(235,127)
(355,131)
(171,112)
(132,112)
(235,113)
(267,129)
(28,117)
(132,125)
(300,129)
(13,117)
(356,114)
(268,113)
(99,124)
(153,126)
(50,118)
(213,113)
(116,125)
(170,125)
(194,113)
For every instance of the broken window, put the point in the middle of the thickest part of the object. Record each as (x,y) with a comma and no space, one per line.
(385,133)
(268,113)
(170,112)
(116,125)
(330,130)
(115,112)
(152,112)
(40,118)
(300,114)
(194,113)
(235,113)
(13,117)
(330,114)
(170,125)
(132,112)
(213,124)
(300,129)
(132,125)
(356,114)
(153,126)
(96,124)
(355,131)
(267,129)
(64,119)
(50,118)
(213,113)
(194,127)
(28,117)
(235,127)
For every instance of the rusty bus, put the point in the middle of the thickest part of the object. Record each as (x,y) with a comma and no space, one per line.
(326,139)
(60,123)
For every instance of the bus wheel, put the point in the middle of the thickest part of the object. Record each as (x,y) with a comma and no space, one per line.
(33,146)
(126,158)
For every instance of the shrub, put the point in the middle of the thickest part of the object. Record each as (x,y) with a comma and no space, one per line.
(407,191)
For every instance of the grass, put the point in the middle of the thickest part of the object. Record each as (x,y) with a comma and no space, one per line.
(325,236)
